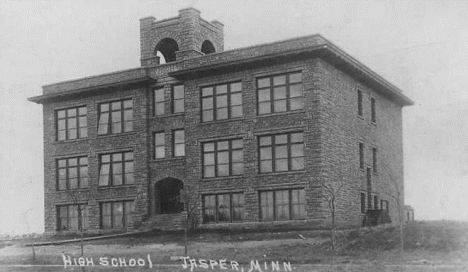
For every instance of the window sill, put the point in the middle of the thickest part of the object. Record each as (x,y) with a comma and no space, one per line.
(361,117)
(279,222)
(73,190)
(168,159)
(222,121)
(116,186)
(223,223)
(222,178)
(70,141)
(103,136)
(167,115)
(281,173)
(280,113)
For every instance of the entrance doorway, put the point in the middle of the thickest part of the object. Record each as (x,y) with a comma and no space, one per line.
(167,196)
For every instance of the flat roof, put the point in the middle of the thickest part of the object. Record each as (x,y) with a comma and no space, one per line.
(297,48)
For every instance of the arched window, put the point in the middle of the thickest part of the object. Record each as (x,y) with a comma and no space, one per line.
(166,49)
(207,47)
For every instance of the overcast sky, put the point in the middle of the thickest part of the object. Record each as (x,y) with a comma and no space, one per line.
(420,46)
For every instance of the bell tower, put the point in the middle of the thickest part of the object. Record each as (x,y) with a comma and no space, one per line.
(182,37)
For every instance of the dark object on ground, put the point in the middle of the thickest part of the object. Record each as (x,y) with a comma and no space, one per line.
(376,217)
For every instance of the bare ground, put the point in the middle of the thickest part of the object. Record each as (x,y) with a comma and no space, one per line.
(430,246)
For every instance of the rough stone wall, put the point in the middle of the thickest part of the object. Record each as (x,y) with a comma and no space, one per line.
(92,146)
(342,130)
(249,127)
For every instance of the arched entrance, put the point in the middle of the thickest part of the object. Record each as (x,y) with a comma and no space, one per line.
(167,196)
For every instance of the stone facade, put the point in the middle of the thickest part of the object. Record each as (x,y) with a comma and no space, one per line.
(329,121)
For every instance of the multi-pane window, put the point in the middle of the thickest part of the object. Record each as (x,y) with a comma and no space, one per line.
(363,203)
(115,117)
(159,148)
(221,102)
(280,93)
(223,158)
(72,173)
(158,96)
(178,141)
(116,169)
(115,215)
(373,113)
(178,98)
(282,152)
(223,208)
(374,159)
(282,204)
(361,155)
(68,217)
(359,100)
(72,124)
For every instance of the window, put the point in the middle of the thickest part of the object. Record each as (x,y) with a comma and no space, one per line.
(68,217)
(178,149)
(384,205)
(72,173)
(116,169)
(361,155)
(159,150)
(359,95)
(223,208)
(374,159)
(283,152)
(71,124)
(158,96)
(279,93)
(363,203)
(221,102)
(223,158)
(282,205)
(177,99)
(115,215)
(373,116)
(115,117)
(376,202)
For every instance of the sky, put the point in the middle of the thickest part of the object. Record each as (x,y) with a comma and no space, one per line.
(419,46)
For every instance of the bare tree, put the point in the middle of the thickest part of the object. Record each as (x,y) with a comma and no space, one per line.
(81,201)
(189,198)
(330,191)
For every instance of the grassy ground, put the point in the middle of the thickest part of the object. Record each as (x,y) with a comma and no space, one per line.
(429,246)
